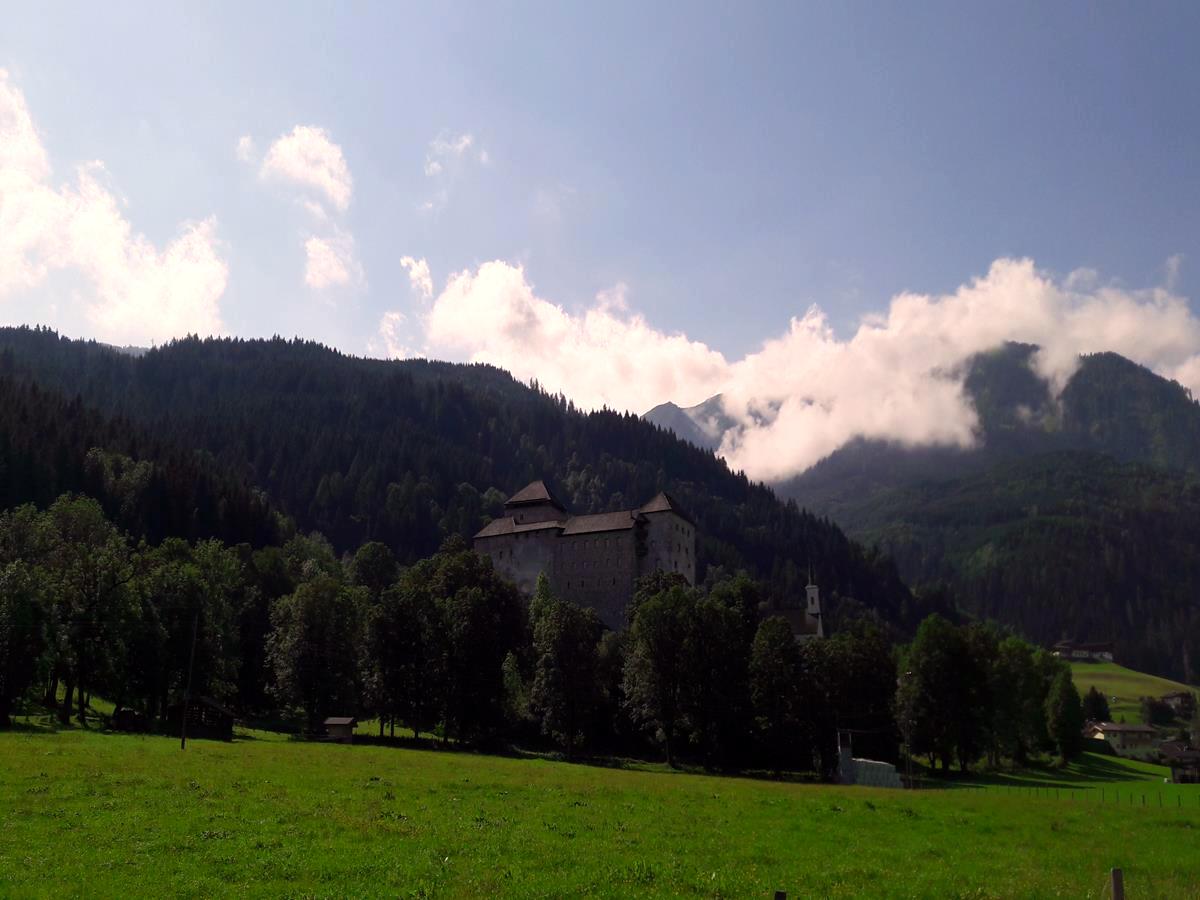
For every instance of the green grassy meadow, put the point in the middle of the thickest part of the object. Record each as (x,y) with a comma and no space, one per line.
(84,813)
(1126,685)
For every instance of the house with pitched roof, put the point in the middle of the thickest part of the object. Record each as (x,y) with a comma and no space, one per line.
(593,560)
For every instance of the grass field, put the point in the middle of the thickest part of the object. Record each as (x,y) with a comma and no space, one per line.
(1126,685)
(113,815)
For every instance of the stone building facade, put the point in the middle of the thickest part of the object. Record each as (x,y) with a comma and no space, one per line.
(593,560)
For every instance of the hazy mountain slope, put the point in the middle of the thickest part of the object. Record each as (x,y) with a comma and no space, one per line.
(683,426)
(1068,544)
(407,452)
(1074,517)
(1110,406)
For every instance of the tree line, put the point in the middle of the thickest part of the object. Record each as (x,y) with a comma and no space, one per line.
(295,633)
(969,692)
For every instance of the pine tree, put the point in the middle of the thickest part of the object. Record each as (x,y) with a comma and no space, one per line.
(1064,716)
(1095,706)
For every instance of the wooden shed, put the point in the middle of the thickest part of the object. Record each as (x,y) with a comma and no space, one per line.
(341,728)
(1184,762)
(206,718)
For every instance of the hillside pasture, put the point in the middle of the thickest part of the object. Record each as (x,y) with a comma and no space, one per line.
(1123,687)
(118,815)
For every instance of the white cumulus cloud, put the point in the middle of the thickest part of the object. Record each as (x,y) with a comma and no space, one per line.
(392,331)
(445,158)
(307,156)
(418,275)
(245,148)
(807,392)
(330,261)
(137,293)
(308,160)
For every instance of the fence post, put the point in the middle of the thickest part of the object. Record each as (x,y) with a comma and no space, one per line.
(1118,884)
(781,895)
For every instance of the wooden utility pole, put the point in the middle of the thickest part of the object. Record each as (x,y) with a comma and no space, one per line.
(187,694)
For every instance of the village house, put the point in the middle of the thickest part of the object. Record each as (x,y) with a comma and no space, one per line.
(1125,739)
(592,560)
(1094,652)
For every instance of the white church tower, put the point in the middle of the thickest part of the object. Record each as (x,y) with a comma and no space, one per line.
(813,612)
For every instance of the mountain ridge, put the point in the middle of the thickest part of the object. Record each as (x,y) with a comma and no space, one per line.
(409,452)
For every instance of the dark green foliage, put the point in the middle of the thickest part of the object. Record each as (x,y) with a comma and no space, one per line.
(184,590)
(21,632)
(405,656)
(657,665)
(858,669)
(775,690)
(87,569)
(483,621)
(1064,716)
(968,692)
(1019,716)
(716,696)
(314,648)
(939,702)
(1156,712)
(147,485)
(565,696)
(1095,706)
(374,568)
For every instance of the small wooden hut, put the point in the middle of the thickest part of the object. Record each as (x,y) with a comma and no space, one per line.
(341,728)
(206,718)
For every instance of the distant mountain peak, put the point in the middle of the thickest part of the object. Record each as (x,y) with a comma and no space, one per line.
(703,424)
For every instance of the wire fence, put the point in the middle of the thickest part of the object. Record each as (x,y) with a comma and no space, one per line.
(1177,796)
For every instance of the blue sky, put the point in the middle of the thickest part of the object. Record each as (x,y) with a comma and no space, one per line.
(710,171)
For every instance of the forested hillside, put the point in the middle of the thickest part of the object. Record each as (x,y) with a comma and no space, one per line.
(1061,545)
(410,452)
(1076,517)
(50,446)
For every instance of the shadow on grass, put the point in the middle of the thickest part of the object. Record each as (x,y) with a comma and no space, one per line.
(1088,771)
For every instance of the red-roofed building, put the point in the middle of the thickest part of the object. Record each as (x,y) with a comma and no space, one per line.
(592,560)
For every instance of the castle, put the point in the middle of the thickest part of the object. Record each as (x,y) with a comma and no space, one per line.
(594,560)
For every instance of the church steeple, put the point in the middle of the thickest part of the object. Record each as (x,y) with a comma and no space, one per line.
(813,611)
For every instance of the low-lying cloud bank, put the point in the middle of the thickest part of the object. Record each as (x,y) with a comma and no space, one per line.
(806,393)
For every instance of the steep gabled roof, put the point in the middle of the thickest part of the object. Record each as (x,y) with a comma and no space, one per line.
(613,521)
(663,502)
(507,525)
(534,493)
(1128,728)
